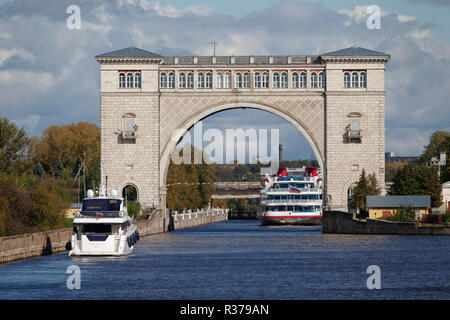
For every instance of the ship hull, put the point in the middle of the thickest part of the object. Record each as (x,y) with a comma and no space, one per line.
(306,221)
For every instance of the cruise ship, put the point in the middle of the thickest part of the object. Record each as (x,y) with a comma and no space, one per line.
(292,196)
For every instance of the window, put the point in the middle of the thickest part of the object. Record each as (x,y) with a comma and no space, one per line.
(295,80)
(265,80)
(313,80)
(246,83)
(362,80)
(355,80)
(227,80)
(130,127)
(190,80)
(201,80)
(182,80)
(257,80)
(303,80)
(137,80)
(276,80)
(163,80)
(129,80)
(346,80)
(122,80)
(238,80)
(322,80)
(219,80)
(171,80)
(355,125)
(208,82)
(284,80)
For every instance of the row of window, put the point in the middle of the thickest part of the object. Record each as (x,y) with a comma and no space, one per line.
(355,79)
(242,80)
(131,80)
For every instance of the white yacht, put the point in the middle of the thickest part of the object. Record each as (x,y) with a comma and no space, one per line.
(292,196)
(103,227)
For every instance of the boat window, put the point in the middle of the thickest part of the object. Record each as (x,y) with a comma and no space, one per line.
(96,228)
(93,205)
(101,205)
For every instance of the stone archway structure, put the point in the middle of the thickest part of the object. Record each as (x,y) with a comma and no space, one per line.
(336,100)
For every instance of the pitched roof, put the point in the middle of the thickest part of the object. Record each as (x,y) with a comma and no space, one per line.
(355,51)
(398,201)
(130,52)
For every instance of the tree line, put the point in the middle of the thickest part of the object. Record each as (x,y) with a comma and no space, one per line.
(37,174)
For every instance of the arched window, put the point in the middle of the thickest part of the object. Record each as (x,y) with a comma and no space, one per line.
(122,80)
(163,80)
(182,80)
(284,80)
(238,80)
(227,80)
(246,83)
(276,80)
(257,80)
(265,80)
(190,80)
(295,80)
(129,80)
(208,82)
(219,80)
(137,80)
(303,80)
(321,79)
(171,80)
(362,80)
(355,80)
(346,80)
(201,80)
(313,80)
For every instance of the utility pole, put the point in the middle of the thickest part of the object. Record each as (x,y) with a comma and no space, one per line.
(214,44)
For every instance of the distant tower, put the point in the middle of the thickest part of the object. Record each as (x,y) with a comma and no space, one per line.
(280,152)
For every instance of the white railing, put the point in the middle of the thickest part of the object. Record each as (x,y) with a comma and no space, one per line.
(280,190)
(293,202)
(189,214)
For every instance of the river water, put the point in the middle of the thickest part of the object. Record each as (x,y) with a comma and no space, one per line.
(243,260)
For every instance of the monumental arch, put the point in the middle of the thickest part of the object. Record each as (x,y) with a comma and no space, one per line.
(336,100)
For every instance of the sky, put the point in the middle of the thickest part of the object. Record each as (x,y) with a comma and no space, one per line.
(49,76)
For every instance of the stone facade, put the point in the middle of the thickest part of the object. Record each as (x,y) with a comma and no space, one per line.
(321,114)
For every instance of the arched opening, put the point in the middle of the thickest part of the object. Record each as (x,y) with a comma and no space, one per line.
(130,193)
(297,132)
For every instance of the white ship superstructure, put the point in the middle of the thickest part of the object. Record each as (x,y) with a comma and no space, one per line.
(103,227)
(292,196)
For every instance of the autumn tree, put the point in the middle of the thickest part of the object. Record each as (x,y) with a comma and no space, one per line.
(13,145)
(68,143)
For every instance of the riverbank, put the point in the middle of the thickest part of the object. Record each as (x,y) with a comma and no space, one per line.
(345,223)
(24,246)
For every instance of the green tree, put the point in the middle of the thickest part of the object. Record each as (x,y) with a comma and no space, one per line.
(13,145)
(439,141)
(38,170)
(366,186)
(58,168)
(418,180)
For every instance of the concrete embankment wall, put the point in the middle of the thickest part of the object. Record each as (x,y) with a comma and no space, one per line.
(29,245)
(342,222)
